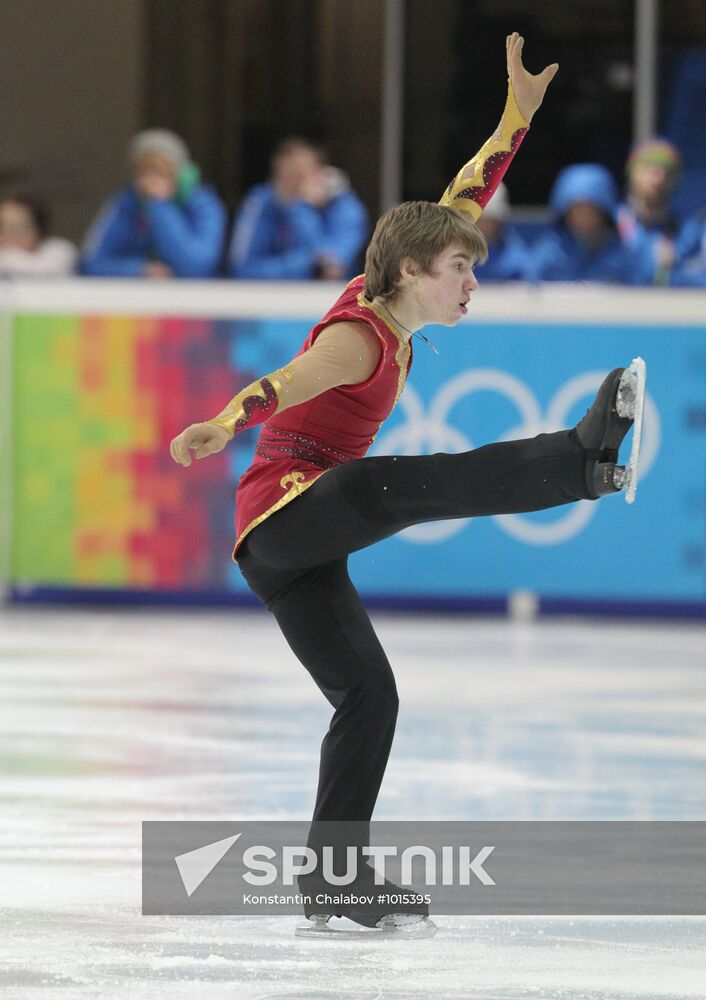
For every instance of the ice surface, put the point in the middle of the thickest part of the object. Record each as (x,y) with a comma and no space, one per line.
(111,718)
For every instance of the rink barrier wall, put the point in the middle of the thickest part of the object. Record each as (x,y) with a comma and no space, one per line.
(484,606)
(98,375)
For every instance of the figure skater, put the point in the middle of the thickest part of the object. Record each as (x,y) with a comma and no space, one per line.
(311,497)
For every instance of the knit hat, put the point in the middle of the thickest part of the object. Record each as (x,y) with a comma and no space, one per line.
(655,152)
(161,142)
(498,208)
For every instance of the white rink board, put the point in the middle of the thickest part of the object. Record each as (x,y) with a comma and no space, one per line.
(549,303)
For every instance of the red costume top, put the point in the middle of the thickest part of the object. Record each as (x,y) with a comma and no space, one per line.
(299,444)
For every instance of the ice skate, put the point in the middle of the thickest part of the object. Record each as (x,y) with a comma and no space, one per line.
(619,405)
(398,926)
(386,910)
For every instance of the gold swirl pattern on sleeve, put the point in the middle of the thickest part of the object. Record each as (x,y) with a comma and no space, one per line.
(255,403)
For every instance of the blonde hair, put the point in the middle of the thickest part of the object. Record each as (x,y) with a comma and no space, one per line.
(420,230)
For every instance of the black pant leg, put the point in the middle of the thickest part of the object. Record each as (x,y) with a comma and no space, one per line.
(357,504)
(323,619)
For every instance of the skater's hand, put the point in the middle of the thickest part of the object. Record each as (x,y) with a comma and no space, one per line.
(529,89)
(202,439)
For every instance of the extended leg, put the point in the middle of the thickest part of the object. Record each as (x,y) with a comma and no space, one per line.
(359,503)
(354,505)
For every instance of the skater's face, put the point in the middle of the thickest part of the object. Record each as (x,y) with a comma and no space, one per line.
(442,294)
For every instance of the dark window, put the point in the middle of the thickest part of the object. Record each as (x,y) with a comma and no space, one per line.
(588,112)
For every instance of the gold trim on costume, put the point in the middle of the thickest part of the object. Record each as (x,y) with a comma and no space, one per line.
(292,479)
(403,345)
(236,412)
(296,487)
(472,174)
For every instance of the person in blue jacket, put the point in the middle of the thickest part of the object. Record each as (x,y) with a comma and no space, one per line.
(508,254)
(689,270)
(164,224)
(583,244)
(646,216)
(306,222)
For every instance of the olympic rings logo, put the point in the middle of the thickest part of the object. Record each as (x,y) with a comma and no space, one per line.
(424,432)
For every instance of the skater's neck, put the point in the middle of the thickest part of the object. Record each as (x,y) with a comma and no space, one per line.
(405,314)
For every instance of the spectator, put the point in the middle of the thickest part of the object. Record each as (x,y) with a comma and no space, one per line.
(507,251)
(25,245)
(306,222)
(646,217)
(164,224)
(583,244)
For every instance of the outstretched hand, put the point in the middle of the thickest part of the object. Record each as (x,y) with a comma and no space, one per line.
(529,88)
(203,439)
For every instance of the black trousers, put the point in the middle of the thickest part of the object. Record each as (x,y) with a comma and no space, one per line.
(296,563)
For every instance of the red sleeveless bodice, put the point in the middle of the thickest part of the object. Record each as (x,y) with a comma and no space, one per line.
(297,446)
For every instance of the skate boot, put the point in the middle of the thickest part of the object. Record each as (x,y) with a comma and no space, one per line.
(377,910)
(618,405)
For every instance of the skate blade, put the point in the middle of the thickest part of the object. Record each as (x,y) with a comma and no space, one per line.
(341,928)
(633,405)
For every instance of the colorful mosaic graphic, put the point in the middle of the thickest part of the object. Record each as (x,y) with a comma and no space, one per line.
(98,500)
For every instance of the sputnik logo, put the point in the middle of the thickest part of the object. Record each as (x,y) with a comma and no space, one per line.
(195,866)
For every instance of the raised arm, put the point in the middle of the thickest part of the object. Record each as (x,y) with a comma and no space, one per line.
(343,354)
(474,184)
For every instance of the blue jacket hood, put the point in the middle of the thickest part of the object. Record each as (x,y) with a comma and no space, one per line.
(584,182)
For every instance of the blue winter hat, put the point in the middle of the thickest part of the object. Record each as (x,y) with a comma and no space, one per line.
(584,182)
